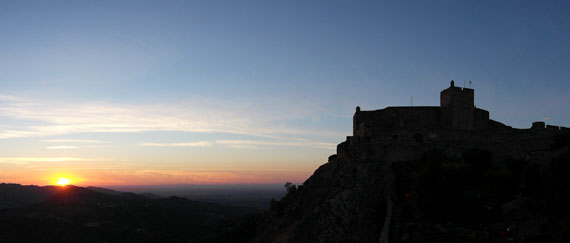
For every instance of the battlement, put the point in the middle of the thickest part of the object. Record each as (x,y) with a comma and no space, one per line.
(456,112)
(456,124)
(457,96)
(367,123)
(541,126)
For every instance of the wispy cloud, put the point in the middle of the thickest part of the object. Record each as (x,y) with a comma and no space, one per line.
(254,143)
(65,117)
(189,144)
(71,141)
(246,144)
(62,147)
(27,160)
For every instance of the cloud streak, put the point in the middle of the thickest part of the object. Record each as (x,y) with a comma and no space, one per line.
(245,144)
(62,147)
(46,118)
(188,144)
(254,143)
(27,160)
(71,141)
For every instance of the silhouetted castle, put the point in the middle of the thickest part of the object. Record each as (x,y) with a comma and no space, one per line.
(455,123)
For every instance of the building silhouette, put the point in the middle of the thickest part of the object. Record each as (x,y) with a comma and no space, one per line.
(456,123)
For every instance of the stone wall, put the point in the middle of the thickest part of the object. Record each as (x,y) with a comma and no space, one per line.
(370,123)
(481,120)
(457,123)
(541,126)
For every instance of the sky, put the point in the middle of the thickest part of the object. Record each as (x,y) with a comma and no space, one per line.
(252,92)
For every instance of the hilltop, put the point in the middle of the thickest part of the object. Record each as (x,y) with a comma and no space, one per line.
(432,174)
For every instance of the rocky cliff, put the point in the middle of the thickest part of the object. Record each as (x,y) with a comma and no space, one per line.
(488,188)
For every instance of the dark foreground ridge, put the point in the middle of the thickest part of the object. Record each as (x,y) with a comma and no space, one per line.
(432,174)
(77,214)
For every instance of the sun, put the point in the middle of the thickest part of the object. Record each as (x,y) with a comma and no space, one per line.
(62,181)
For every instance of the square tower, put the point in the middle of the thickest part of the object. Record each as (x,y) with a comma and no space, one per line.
(457,107)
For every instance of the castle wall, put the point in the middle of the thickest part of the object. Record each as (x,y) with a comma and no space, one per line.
(456,125)
(368,123)
(552,128)
(481,119)
(543,127)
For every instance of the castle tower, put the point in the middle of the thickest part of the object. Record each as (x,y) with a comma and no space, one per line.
(457,107)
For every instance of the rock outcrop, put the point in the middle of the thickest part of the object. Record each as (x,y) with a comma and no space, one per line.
(481,183)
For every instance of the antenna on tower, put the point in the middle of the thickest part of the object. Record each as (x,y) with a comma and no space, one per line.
(469,83)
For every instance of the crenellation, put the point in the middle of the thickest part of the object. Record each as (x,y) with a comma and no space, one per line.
(538,125)
(455,123)
(552,128)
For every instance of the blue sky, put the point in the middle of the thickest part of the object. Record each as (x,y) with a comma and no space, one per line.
(191,90)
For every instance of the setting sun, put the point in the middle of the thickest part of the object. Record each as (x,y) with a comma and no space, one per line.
(63,181)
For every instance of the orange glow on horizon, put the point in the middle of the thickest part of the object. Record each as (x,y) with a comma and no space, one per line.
(155,177)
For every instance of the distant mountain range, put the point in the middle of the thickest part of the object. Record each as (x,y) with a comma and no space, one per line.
(15,195)
(78,214)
